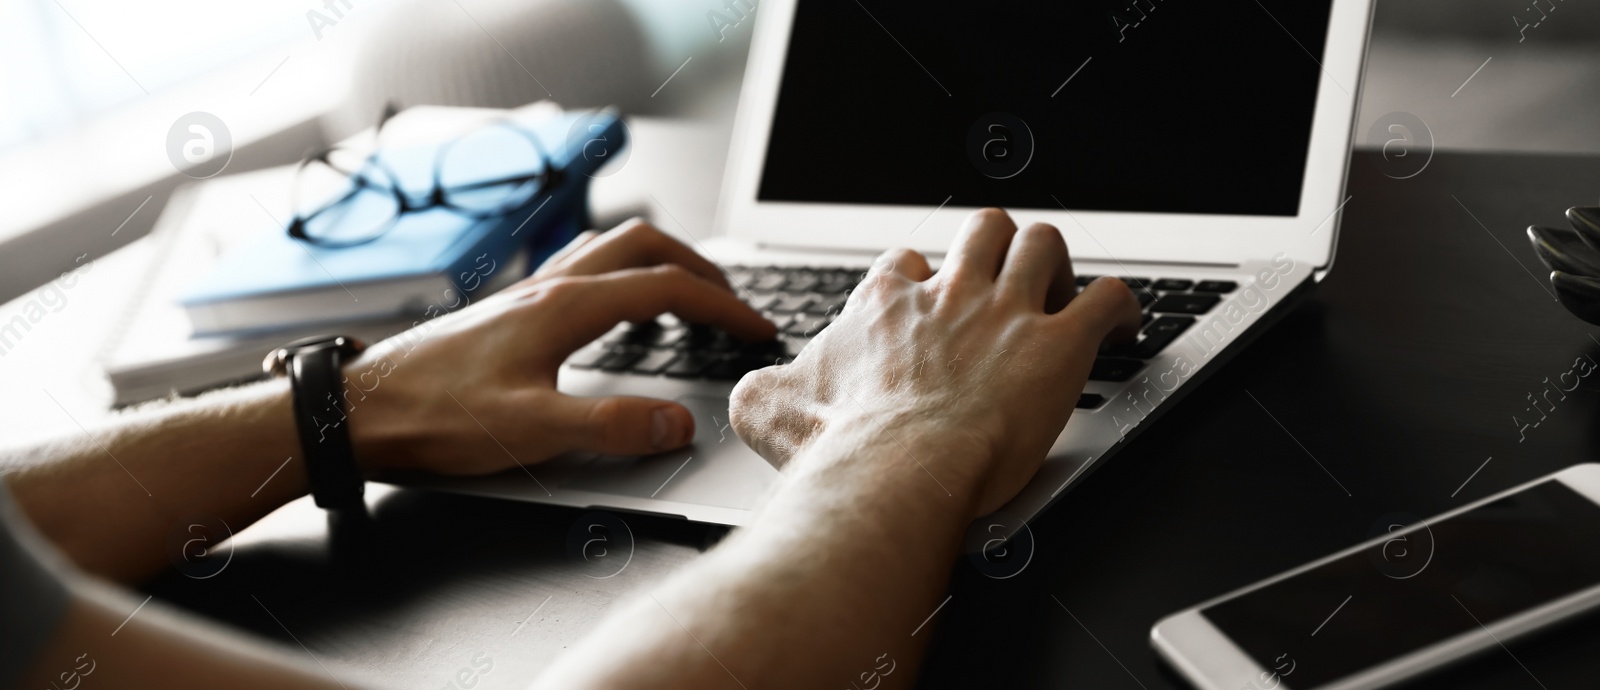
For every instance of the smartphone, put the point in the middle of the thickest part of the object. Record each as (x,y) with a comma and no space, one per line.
(1418,595)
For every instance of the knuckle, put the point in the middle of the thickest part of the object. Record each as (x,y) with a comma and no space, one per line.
(961,282)
(900,253)
(672,272)
(1046,232)
(1013,293)
(605,419)
(877,283)
(557,290)
(746,403)
(639,230)
(995,218)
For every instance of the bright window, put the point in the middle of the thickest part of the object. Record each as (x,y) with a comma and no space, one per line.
(63,62)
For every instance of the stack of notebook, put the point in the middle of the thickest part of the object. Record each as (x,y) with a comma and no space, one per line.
(228,284)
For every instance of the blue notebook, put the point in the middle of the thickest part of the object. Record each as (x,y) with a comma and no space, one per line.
(429,261)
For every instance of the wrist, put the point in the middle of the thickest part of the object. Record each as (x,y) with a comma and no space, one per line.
(381,431)
(903,455)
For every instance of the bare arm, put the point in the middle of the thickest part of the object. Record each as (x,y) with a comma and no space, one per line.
(469,393)
(108,499)
(932,400)
(443,397)
(159,648)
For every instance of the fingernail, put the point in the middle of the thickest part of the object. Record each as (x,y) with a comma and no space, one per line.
(667,428)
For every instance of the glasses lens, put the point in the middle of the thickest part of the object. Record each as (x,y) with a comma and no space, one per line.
(491,170)
(344,201)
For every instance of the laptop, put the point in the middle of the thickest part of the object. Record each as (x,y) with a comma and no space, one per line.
(1198,151)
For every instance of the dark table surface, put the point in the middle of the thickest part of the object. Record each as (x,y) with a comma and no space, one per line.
(1401,374)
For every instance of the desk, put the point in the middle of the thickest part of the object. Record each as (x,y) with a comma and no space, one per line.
(1401,375)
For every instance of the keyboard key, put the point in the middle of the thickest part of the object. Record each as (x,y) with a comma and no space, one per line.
(837,282)
(655,362)
(800,301)
(1184,303)
(829,305)
(765,349)
(802,282)
(588,358)
(792,345)
(638,334)
(768,281)
(1173,284)
(622,359)
(1089,401)
(782,321)
(735,368)
(1145,297)
(617,334)
(1158,335)
(808,326)
(1217,286)
(791,303)
(698,338)
(764,301)
(1135,283)
(691,364)
(1114,369)
(667,337)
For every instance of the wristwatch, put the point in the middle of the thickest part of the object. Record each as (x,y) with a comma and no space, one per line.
(315,368)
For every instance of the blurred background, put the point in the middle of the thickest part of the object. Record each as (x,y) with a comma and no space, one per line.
(92,87)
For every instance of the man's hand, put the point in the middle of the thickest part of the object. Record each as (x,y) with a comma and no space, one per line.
(475,391)
(469,393)
(986,358)
(968,376)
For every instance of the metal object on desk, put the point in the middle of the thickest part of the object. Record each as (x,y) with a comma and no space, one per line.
(1573,256)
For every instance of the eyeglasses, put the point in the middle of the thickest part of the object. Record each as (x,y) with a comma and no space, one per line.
(347,196)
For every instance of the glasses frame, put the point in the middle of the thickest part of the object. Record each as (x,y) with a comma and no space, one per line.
(547,177)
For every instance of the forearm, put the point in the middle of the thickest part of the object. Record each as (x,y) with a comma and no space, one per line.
(830,585)
(108,498)
(112,641)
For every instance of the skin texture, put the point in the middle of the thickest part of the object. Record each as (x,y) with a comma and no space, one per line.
(472,392)
(896,427)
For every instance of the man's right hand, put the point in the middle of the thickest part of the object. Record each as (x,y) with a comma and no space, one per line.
(982,361)
(475,391)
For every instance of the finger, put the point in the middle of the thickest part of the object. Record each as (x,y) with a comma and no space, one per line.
(588,306)
(1039,268)
(619,425)
(904,262)
(565,254)
(980,246)
(636,244)
(1105,310)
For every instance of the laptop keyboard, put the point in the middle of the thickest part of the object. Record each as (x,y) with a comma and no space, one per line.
(803,301)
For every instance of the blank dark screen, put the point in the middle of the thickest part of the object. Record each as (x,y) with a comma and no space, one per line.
(1484,565)
(1177,106)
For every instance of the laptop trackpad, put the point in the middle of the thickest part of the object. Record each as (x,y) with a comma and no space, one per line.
(716,469)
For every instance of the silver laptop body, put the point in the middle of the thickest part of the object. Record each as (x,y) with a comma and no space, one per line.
(1213,276)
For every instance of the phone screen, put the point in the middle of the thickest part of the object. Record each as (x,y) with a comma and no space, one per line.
(1420,587)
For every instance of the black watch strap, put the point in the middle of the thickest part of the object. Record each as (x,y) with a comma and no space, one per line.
(316,381)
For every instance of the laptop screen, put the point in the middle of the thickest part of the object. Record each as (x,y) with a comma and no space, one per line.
(1154,106)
